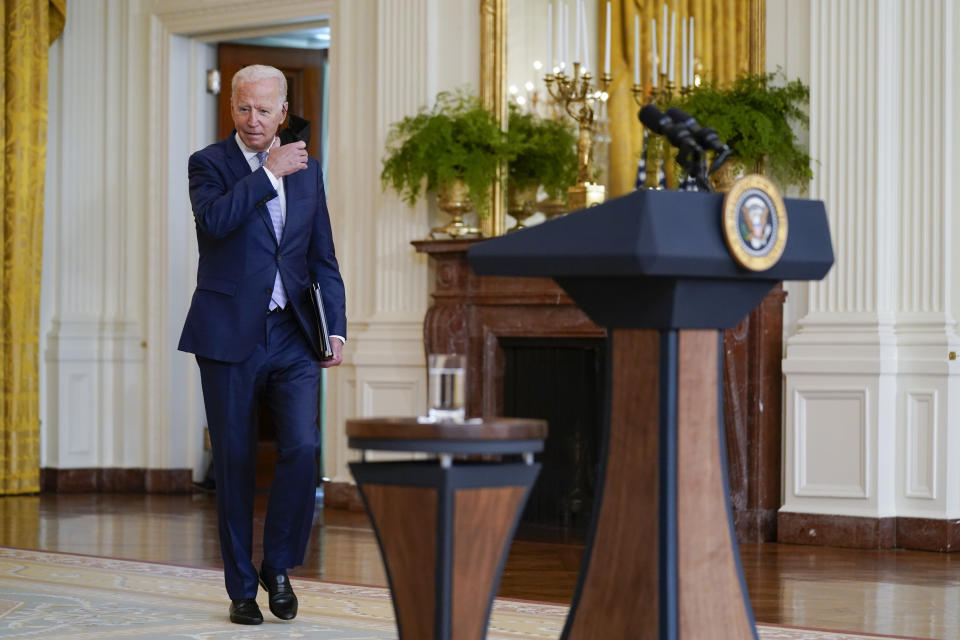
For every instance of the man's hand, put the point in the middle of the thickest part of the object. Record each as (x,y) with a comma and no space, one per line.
(337,347)
(286,159)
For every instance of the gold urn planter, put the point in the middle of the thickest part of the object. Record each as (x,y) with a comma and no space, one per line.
(553,208)
(521,204)
(455,201)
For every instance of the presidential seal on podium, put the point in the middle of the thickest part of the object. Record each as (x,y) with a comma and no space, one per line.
(755,223)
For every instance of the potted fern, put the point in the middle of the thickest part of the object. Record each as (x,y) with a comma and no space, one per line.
(756,116)
(541,152)
(454,149)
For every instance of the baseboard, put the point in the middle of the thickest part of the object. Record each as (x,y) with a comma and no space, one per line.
(928,535)
(342,495)
(115,480)
(923,534)
(755,525)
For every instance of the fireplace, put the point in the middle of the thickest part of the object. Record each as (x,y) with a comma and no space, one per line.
(560,380)
(500,323)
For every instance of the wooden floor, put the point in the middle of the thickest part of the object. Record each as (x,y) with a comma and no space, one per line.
(905,593)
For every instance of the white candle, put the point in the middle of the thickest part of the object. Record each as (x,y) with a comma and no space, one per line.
(550,38)
(692,53)
(578,50)
(559,40)
(606,49)
(673,43)
(636,48)
(653,51)
(565,31)
(663,45)
(586,39)
(684,50)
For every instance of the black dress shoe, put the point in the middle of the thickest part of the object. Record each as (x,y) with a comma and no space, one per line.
(283,601)
(245,611)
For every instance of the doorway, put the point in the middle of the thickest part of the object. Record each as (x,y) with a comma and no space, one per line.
(304,68)
(304,71)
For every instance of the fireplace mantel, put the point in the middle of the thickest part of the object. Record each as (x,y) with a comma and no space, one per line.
(471,313)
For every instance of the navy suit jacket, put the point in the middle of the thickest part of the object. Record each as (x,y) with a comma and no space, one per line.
(240,256)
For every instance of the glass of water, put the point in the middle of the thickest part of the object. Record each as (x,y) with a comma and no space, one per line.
(446,387)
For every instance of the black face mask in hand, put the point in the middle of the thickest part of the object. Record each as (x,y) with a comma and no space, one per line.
(297,129)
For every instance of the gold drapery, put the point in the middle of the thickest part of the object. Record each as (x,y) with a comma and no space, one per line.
(29,27)
(728,42)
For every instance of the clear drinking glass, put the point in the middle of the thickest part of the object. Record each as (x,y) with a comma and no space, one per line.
(446,386)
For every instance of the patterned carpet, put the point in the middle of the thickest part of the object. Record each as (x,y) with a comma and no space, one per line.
(69,597)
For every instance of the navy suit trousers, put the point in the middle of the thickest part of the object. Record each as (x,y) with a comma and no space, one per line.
(283,373)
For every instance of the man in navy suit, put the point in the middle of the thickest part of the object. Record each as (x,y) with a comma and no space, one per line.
(264,235)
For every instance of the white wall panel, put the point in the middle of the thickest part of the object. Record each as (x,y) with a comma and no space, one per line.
(832,443)
(82,436)
(921,451)
(392,396)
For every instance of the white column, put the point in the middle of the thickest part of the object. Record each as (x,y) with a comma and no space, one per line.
(868,379)
(93,360)
(402,56)
(423,46)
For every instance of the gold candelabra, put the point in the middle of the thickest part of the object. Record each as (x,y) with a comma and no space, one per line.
(578,95)
(661,96)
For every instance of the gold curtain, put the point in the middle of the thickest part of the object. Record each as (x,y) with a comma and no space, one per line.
(728,42)
(29,27)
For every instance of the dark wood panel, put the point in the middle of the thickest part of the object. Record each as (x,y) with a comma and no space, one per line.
(481,527)
(303,69)
(406,521)
(492,428)
(623,559)
(711,602)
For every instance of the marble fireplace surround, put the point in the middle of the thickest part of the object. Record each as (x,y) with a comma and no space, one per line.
(470,314)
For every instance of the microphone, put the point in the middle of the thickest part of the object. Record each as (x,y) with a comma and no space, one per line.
(654,119)
(707,137)
(690,155)
(677,133)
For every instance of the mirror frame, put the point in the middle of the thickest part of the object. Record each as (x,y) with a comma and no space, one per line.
(493,78)
(493,62)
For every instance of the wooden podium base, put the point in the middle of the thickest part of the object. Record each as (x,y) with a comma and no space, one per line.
(661,561)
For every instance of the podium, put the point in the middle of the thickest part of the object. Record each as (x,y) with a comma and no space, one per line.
(661,560)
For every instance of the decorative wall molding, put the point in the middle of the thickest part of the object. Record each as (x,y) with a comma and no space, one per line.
(834,420)
(922,451)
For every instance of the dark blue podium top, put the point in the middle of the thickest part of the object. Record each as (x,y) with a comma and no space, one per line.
(657,259)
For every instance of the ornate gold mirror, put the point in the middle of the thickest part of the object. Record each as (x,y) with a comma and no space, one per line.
(513,35)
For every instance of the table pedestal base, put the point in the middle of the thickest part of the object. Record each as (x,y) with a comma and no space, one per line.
(444,534)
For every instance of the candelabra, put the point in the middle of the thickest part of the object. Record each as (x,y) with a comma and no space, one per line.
(661,96)
(577,94)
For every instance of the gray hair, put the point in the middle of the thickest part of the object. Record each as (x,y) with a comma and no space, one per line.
(255,73)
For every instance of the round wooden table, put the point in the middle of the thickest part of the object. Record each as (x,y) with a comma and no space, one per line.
(444,526)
